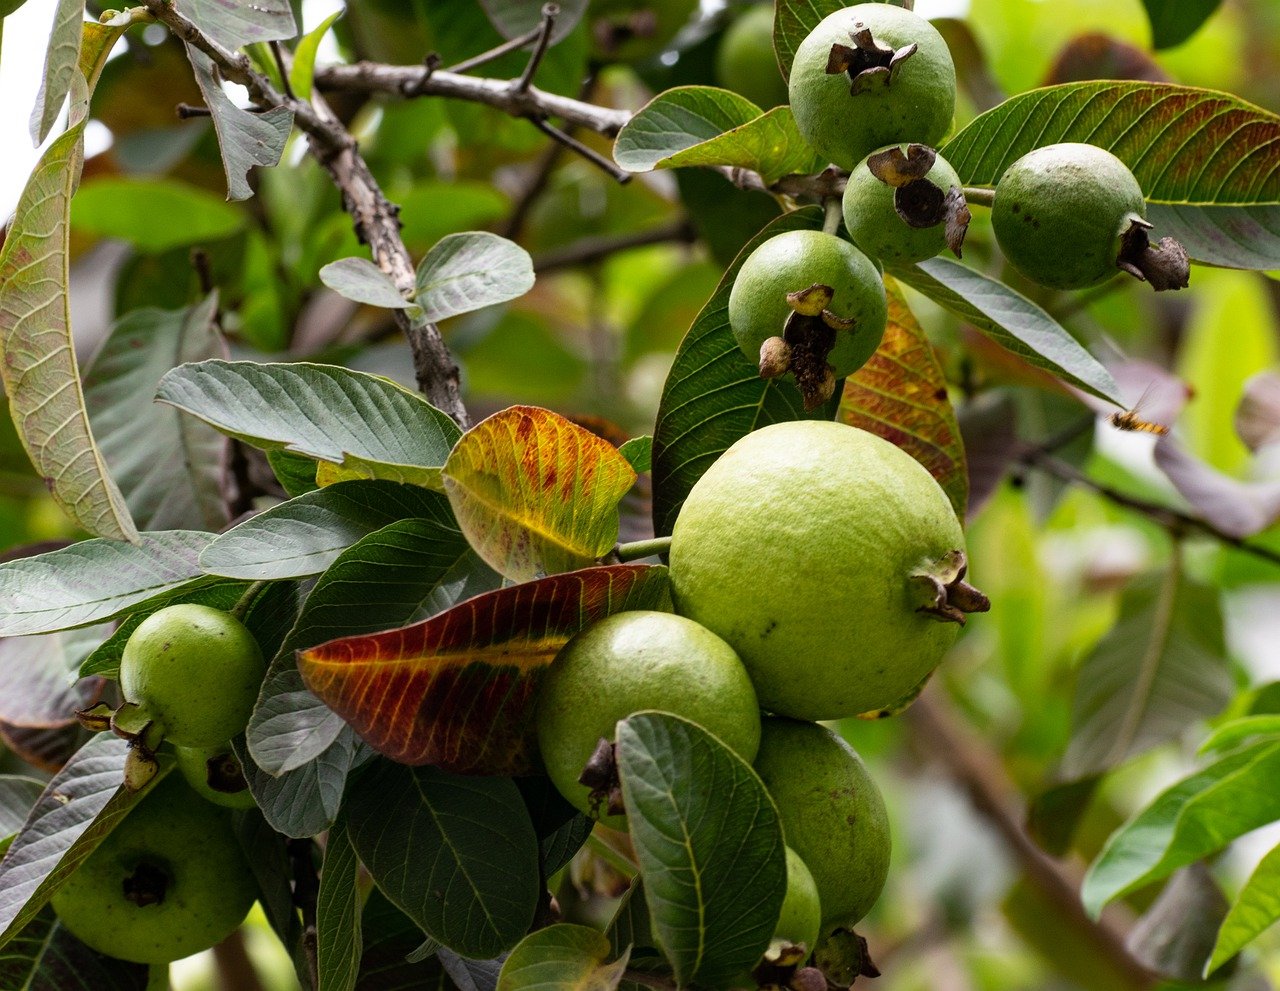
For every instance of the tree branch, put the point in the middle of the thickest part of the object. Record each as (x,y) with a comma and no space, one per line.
(979,773)
(593,249)
(375,217)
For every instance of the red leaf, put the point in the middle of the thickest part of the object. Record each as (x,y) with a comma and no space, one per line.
(457,691)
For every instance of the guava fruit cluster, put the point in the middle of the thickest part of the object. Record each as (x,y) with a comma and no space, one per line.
(817,572)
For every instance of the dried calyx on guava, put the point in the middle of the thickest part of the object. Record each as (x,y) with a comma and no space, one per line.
(624,664)
(811,305)
(871,75)
(808,547)
(905,203)
(1069,215)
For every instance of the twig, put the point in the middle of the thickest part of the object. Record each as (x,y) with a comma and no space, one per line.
(637,549)
(594,249)
(374,216)
(1174,520)
(550,11)
(306,889)
(495,53)
(978,773)
(284,72)
(979,195)
(574,145)
(235,970)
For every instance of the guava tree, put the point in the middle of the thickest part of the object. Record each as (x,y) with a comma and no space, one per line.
(517,425)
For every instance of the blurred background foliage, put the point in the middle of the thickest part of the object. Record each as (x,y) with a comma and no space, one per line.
(597,335)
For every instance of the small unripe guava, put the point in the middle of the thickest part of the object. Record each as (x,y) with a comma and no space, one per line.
(215,774)
(169,881)
(825,556)
(800,920)
(878,226)
(769,300)
(195,671)
(630,662)
(635,30)
(1061,213)
(833,815)
(856,84)
(746,63)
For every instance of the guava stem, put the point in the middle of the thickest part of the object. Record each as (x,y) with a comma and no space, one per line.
(158,978)
(245,601)
(637,549)
(834,215)
(979,195)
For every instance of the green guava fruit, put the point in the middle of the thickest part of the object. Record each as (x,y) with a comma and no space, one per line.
(626,663)
(635,30)
(195,671)
(828,559)
(809,304)
(745,60)
(169,881)
(905,203)
(800,920)
(833,815)
(215,774)
(871,75)
(1070,215)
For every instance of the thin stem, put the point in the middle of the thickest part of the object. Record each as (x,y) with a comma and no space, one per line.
(495,53)
(834,216)
(656,981)
(278,53)
(979,195)
(637,549)
(594,249)
(590,154)
(306,890)
(550,11)
(245,602)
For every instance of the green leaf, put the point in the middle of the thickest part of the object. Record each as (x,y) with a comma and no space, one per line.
(78,808)
(338,906)
(1231,734)
(18,796)
(141,210)
(94,580)
(322,411)
(46,957)
(1011,320)
(469,271)
(304,802)
(1196,817)
(303,70)
(1174,21)
(418,567)
(39,688)
(771,145)
(562,958)
(457,854)
(38,364)
(390,938)
(244,139)
(639,453)
(304,536)
(60,64)
(678,119)
(169,468)
(1160,668)
(1256,909)
(714,394)
(514,18)
(239,24)
(709,844)
(361,281)
(1230,236)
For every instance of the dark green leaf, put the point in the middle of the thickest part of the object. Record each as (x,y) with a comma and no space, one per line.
(563,958)
(1160,668)
(94,580)
(457,854)
(1012,320)
(46,957)
(709,844)
(304,802)
(338,914)
(714,394)
(469,271)
(390,937)
(168,468)
(1174,21)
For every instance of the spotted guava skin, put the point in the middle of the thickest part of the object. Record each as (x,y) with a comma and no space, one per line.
(745,60)
(1059,212)
(668,17)
(874,224)
(630,662)
(209,888)
(796,546)
(196,670)
(833,814)
(918,106)
(795,261)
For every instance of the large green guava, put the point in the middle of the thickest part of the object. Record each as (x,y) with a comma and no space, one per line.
(829,559)
(169,881)
(857,82)
(629,662)
(745,60)
(195,671)
(833,815)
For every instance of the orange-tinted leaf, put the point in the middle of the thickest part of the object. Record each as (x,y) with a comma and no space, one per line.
(457,691)
(535,493)
(901,395)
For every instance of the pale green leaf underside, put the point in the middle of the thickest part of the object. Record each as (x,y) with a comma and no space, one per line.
(679,119)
